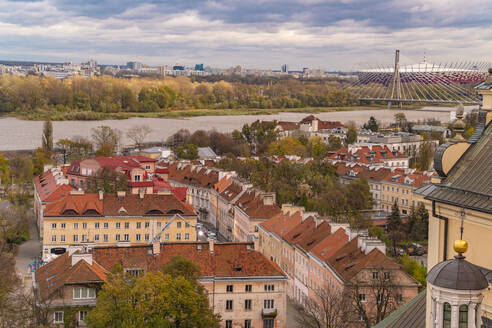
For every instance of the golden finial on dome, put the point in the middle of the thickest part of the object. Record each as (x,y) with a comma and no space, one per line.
(460,246)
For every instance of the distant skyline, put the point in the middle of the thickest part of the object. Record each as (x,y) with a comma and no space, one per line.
(263,34)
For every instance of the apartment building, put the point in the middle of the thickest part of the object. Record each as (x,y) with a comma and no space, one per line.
(369,155)
(139,170)
(318,255)
(243,286)
(81,219)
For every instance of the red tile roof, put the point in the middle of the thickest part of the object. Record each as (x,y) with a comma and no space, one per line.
(112,205)
(255,207)
(329,245)
(281,223)
(193,175)
(48,189)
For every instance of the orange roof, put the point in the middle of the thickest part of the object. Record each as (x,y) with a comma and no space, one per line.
(48,189)
(222,184)
(330,244)
(281,223)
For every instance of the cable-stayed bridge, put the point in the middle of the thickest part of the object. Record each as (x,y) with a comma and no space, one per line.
(424,82)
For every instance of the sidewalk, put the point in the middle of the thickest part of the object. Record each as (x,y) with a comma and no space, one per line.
(28,251)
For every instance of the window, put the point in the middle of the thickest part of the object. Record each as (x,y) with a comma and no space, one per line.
(117,237)
(463,318)
(135,272)
(187,236)
(269,288)
(138,237)
(446,316)
(96,225)
(230,288)
(268,323)
(379,298)
(75,238)
(127,237)
(166,236)
(83,293)
(247,288)
(137,178)
(96,237)
(247,304)
(63,225)
(127,225)
(105,238)
(268,304)
(53,226)
(147,237)
(53,238)
(229,305)
(139,225)
(147,224)
(178,236)
(75,225)
(247,323)
(362,297)
(158,224)
(84,238)
(256,228)
(118,225)
(178,224)
(84,225)
(82,315)
(228,324)
(62,238)
(386,275)
(375,275)
(58,318)
(106,225)
(187,225)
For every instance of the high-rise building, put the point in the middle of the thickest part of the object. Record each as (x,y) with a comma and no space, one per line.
(284,68)
(199,67)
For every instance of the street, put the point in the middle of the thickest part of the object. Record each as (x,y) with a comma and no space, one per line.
(29,250)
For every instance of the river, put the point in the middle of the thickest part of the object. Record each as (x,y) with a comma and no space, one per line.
(18,134)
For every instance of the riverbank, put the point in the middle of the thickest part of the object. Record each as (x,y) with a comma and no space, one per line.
(41,115)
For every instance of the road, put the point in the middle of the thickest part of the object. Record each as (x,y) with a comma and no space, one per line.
(29,250)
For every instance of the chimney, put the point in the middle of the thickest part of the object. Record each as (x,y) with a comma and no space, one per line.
(156,247)
(101,195)
(211,245)
(141,193)
(268,198)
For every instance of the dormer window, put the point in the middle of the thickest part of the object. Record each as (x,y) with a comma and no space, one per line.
(69,212)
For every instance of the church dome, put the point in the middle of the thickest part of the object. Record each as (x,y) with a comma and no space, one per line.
(457,274)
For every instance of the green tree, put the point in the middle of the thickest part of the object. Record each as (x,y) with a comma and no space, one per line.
(106,140)
(316,148)
(108,180)
(39,159)
(4,170)
(153,300)
(400,119)
(420,227)
(424,156)
(180,266)
(395,226)
(188,151)
(287,146)
(75,148)
(372,124)
(47,142)
(334,143)
(351,136)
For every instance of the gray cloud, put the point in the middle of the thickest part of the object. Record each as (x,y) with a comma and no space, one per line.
(263,33)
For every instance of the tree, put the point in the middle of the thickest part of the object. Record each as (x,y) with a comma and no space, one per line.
(351,136)
(420,227)
(188,151)
(106,140)
(394,226)
(153,300)
(39,160)
(4,170)
(424,156)
(47,139)
(334,143)
(372,124)
(400,119)
(375,295)
(180,266)
(75,148)
(200,138)
(327,308)
(287,146)
(108,180)
(138,133)
(316,148)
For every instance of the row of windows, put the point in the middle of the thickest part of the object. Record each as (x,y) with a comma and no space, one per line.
(267,323)
(58,316)
(267,304)
(403,191)
(118,237)
(127,225)
(249,288)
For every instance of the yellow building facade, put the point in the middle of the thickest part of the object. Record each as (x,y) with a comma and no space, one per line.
(90,220)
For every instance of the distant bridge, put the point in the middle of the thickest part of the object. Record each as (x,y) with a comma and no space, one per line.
(424,82)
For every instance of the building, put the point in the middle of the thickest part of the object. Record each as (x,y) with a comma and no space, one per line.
(461,198)
(375,155)
(243,286)
(80,219)
(138,169)
(320,255)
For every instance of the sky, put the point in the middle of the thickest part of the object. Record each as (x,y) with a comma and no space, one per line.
(327,34)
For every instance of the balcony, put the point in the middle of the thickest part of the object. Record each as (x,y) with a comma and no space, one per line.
(269,313)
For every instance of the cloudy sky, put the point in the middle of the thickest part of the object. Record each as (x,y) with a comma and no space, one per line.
(329,34)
